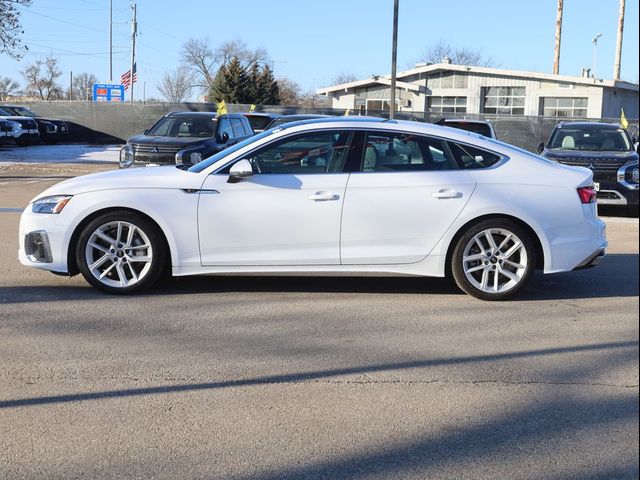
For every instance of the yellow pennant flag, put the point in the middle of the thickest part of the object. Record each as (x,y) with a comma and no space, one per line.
(222,108)
(252,108)
(346,113)
(623,119)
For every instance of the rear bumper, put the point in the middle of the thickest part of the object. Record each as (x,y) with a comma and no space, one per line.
(592,260)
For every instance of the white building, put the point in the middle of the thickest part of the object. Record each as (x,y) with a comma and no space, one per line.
(459,89)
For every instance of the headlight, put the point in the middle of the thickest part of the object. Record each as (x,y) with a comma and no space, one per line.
(53,204)
(190,156)
(126,156)
(16,127)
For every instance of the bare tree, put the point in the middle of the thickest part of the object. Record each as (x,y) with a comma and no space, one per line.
(203,61)
(343,77)
(290,92)
(198,58)
(8,88)
(41,77)
(10,28)
(238,48)
(175,86)
(82,88)
(440,50)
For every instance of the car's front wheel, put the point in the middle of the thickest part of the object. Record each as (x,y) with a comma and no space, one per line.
(494,259)
(121,252)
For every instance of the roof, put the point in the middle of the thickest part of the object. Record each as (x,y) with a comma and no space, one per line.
(437,67)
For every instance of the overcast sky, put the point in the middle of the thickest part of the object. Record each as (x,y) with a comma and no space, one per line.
(312,41)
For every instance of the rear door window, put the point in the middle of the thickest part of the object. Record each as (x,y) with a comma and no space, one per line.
(400,152)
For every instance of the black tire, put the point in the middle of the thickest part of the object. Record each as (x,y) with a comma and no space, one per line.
(495,263)
(124,258)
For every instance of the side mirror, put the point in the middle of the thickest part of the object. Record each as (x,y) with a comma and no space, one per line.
(239,170)
(541,147)
(222,137)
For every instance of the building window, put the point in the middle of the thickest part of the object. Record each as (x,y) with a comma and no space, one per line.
(380,105)
(447,80)
(564,107)
(448,104)
(504,100)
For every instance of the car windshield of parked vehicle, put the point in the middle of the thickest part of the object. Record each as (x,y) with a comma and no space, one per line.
(22,112)
(258,122)
(196,126)
(207,162)
(288,119)
(591,139)
(481,128)
(5,113)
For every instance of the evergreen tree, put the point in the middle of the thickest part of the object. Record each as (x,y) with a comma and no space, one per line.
(254,91)
(230,83)
(268,87)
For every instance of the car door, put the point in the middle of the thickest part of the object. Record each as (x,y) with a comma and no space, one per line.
(405,196)
(286,213)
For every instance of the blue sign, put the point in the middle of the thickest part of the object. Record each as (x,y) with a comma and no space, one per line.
(104,92)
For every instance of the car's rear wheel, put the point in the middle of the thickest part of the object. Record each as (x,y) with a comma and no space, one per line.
(121,252)
(494,259)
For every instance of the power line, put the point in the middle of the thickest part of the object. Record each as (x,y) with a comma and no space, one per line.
(64,21)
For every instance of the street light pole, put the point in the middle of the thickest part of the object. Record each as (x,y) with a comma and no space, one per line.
(110,42)
(595,54)
(394,58)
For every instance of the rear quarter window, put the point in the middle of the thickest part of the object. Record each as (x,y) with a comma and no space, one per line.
(473,158)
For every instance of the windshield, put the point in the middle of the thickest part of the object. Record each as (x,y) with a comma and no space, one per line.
(258,122)
(22,111)
(590,139)
(198,167)
(481,128)
(288,119)
(184,126)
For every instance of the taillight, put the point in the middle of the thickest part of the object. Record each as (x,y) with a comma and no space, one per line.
(587,194)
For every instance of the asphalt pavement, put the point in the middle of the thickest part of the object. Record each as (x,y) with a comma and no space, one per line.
(262,378)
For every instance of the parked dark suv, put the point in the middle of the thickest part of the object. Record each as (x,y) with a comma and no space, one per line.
(51,130)
(606,149)
(185,138)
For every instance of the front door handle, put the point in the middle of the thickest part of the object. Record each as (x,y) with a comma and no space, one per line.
(446,193)
(323,197)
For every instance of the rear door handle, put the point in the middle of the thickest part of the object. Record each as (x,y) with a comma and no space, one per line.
(446,193)
(323,197)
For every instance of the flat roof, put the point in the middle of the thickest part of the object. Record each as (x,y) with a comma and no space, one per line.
(482,70)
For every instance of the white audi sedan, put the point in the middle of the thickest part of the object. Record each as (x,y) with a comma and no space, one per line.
(345,196)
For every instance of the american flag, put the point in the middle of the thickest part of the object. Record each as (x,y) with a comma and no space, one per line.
(125,78)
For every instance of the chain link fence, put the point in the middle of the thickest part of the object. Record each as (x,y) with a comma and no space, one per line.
(98,122)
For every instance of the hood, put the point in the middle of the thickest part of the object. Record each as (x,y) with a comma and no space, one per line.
(168,177)
(17,118)
(178,141)
(590,155)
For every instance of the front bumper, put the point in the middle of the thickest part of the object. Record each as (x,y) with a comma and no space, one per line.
(56,231)
(614,193)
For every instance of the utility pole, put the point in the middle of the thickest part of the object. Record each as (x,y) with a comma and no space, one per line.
(595,55)
(134,29)
(556,57)
(394,58)
(70,85)
(616,64)
(110,41)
